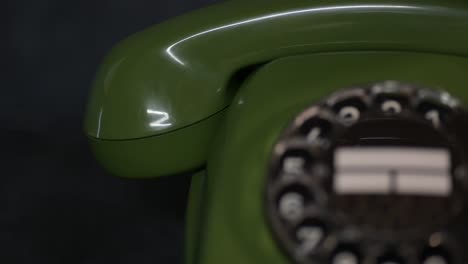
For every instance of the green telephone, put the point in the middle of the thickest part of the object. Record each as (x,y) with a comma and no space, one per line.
(316,131)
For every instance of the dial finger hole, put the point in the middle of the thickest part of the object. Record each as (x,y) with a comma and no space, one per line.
(350,110)
(391,97)
(316,131)
(391,107)
(391,104)
(349,114)
(309,234)
(295,162)
(434,113)
(292,202)
(349,105)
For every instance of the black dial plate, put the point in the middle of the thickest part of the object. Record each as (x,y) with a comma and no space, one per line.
(409,141)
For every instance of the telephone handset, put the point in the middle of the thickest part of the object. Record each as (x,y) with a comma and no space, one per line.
(318,131)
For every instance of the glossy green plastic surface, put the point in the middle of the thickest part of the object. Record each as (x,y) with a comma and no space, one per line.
(234,227)
(179,151)
(178,73)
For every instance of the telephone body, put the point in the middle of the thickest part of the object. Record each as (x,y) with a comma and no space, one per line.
(218,91)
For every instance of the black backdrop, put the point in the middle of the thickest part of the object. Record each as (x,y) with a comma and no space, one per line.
(57,205)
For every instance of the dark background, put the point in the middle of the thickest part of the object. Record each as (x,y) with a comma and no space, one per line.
(57,205)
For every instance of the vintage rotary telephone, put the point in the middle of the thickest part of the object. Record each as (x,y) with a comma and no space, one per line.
(316,131)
